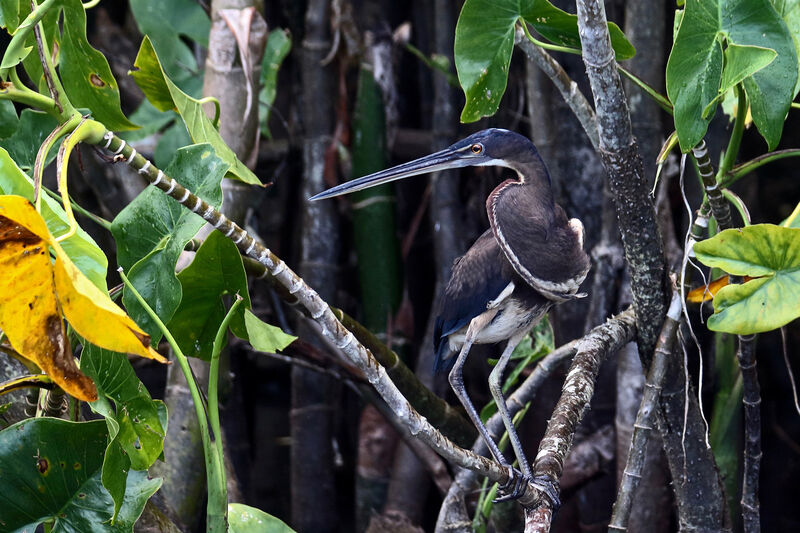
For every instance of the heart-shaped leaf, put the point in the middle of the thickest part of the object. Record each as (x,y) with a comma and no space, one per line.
(51,471)
(485,38)
(695,67)
(216,271)
(136,422)
(152,231)
(769,253)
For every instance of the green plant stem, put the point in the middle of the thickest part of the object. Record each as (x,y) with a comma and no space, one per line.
(100,221)
(211,99)
(218,492)
(9,91)
(736,135)
(747,167)
(548,46)
(736,202)
(659,98)
(433,65)
(214,522)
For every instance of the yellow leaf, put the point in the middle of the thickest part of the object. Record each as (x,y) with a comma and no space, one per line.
(29,311)
(35,292)
(86,308)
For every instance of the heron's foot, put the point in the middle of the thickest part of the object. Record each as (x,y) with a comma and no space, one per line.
(549,488)
(514,488)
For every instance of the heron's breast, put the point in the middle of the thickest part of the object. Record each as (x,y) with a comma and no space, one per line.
(511,318)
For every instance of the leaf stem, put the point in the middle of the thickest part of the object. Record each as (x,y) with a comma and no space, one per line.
(62,103)
(100,221)
(433,65)
(747,167)
(213,472)
(23,95)
(213,100)
(547,46)
(790,220)
(659,98)
(218,490)
(736,135)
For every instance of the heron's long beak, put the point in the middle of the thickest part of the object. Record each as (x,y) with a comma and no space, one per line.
(443,160)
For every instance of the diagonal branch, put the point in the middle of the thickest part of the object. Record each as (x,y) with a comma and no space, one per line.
(318,309)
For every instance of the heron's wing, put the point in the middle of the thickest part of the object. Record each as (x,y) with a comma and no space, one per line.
(544,248)
(478,277)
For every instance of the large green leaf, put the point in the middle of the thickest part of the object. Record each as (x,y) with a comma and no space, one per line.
(485,38)
(31,131)
(136,422)
(9,121)
(81,248)
(245,519)
(51,471)
(789,10)
(164,94)
(215,272)
(152,231)
(695,66)
(764,251)
(85,73)
(278,45)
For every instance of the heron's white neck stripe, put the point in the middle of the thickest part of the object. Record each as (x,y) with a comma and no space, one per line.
(551,289)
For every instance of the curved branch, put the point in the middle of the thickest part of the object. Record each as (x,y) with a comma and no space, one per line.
(566,86)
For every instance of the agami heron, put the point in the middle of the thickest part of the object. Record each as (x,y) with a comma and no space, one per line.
(530,259)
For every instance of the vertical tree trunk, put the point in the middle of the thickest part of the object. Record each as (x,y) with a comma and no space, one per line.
(314,507)
(650,511)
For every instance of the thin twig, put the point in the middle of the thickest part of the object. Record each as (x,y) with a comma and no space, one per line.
(645,418)
(566,86)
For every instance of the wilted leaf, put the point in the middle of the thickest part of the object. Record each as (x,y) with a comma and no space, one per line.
(36,292)
(164,95)
(81,248)
(705,293)
(764,251)
(265,337)
(51,471)
(29,311)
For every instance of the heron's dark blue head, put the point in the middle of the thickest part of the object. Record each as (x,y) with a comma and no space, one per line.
(491,147)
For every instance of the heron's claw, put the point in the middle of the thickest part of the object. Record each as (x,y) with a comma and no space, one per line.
(512,489)
(515,487)
(549,488)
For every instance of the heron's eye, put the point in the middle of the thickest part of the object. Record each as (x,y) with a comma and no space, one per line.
(476,148)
